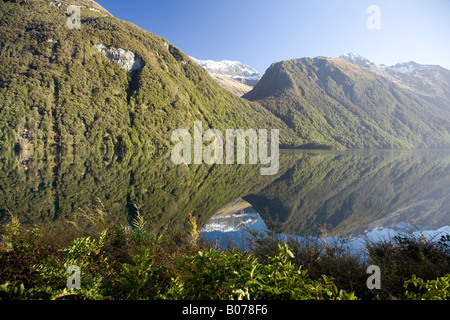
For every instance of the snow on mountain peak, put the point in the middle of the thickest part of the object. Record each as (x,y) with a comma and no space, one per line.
(353,56)
(411,66)
(405,67)
(231,69)
(422,78)
(357,59)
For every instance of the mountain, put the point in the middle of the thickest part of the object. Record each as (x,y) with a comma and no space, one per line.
(362,62)
(113,86)
(234,76)
(348,102)
(109,85)
(431,82)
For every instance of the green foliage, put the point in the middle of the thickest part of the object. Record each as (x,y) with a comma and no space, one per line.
(406,256)
(193,229)
(346,269)
(282,279)
(87,254)
(12,291)
(234,274)
(138,222)
(438,289)
(121,263)
(137,274)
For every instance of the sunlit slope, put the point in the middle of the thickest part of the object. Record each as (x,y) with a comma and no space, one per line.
(58,90)
(332,101)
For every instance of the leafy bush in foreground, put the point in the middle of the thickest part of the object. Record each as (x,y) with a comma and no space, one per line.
(121,263)
(234,274)
(429,290)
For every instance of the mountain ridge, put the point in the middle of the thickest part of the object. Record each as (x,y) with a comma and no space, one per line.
(431,81)
(334,101)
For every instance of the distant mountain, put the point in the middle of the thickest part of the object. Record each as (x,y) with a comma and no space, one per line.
(432,82)
(362,62)
(353,103)
(232,75)
(109,85)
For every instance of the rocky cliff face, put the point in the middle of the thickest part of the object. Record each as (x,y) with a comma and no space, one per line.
(127,59)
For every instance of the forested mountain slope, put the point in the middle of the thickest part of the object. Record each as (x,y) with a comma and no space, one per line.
(108,85)
(333,101)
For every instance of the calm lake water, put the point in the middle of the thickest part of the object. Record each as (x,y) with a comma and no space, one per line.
(350,193)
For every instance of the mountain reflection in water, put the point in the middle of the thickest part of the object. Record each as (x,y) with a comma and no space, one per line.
(355,193)
(347,192)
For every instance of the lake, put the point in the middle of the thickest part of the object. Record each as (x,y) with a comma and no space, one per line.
(346,193)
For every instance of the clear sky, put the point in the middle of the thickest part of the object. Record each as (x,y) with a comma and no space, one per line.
(260,32)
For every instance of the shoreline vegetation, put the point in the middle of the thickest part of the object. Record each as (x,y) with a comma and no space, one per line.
(123,261)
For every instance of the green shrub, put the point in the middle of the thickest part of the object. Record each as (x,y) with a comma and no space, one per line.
(122,263)
(85,253)
(14,290)
(234,274)
(438,289)
(405,256)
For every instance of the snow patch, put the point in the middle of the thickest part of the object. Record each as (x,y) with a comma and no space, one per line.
(230,69)
(405,67)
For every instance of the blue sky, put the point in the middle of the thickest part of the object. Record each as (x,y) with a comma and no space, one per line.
(260,32)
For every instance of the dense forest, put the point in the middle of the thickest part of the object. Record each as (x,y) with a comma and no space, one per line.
(58,91)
